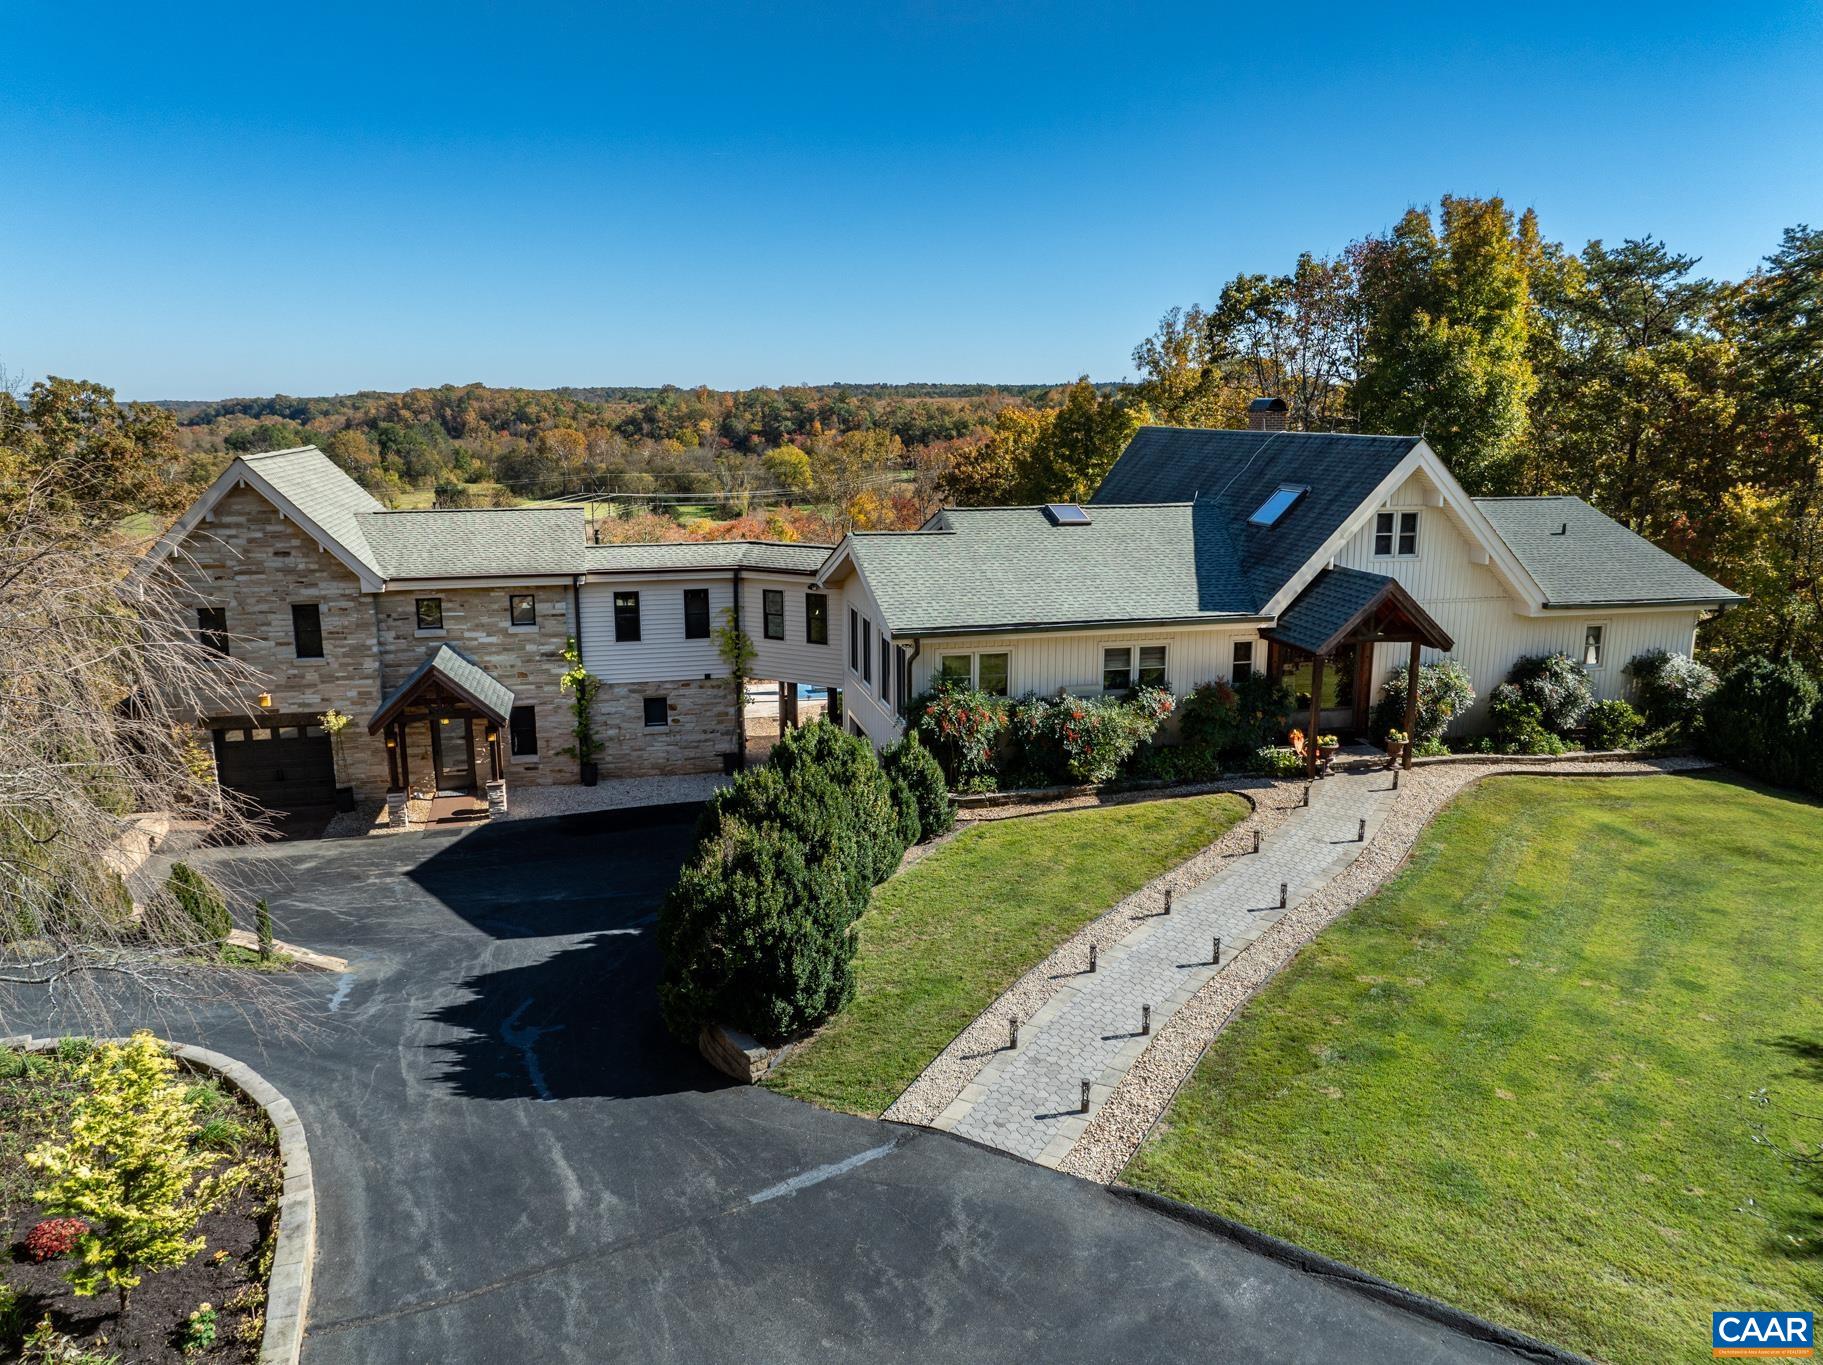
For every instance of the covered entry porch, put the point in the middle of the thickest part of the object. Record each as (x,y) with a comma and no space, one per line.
(447,716)
(1336,624)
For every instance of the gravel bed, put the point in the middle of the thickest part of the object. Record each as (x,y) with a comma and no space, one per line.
(971,1050)
(1123,1121)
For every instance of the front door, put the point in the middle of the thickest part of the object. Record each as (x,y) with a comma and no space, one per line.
(452,752)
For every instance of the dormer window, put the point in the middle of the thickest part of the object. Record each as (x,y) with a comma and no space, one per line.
(1283,499)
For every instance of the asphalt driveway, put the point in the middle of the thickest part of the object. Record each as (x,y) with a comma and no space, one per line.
(516,1162)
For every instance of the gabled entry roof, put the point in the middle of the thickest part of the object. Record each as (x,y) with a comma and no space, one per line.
(454,673)
(1341,605)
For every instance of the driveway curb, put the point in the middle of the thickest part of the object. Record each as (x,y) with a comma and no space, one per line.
(1315,1263)
(288,1286)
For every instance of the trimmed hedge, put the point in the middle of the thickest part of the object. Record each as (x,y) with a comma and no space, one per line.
(1762,719)
(757,933)
(917,780)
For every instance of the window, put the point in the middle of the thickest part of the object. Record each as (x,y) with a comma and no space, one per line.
(816,618)
(1243,662)
(1284,497)
(867,650)
(522,732)
(854,641)
(522,609)
(1591,646)
(772,601)
(1152,665)
(212,628)
(992,672)
(626,617)
(1396,534)
(696,613)
(886,669)
(307,630)
(957,667)
(658,712)
(430,613)
(1116,670)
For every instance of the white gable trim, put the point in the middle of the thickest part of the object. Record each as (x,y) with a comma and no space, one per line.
(236,474)
(1488,548)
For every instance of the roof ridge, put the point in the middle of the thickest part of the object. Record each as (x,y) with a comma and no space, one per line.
(250,456)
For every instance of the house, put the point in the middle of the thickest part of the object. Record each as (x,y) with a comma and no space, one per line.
(441,635)
(1328,559)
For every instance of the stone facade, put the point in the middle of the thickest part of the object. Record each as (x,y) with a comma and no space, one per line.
(250,560)
(528,659)
(702,717)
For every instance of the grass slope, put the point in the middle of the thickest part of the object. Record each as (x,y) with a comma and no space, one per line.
(944,938)
(1517,1078)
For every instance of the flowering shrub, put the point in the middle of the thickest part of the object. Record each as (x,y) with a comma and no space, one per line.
(1558,686)
(53,1237)
(1271,760)
(1444,692)
(1085,739)
(962,727)
(1670,688)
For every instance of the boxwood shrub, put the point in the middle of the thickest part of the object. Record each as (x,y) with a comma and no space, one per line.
(758,931)
(1762,719)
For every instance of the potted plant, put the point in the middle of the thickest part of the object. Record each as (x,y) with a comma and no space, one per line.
(582,686)
(333,723)
(1396,740)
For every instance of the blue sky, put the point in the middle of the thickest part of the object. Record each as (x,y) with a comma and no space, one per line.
(206,202)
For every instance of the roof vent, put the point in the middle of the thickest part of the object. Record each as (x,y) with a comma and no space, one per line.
(1563,530)
(1066,514)
(1283,499)
(1268,414)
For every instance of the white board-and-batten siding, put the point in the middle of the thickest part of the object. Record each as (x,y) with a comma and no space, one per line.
(1047,663)
(663,654)
(1471,602)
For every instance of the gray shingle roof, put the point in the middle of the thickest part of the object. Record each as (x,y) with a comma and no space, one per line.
(671,556)
(453,543)
(1336,599)
(313,484)
(1006,567)
(451,666)
(1236,471)
(1581,557)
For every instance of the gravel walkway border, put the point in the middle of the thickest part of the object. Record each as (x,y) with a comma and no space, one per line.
(943,1079)
(1129,1114)
(288,1285)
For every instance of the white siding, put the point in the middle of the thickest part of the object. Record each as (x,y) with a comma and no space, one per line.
(1071,661)
(1470,602)
(661,654)
(861,700)
(793,659)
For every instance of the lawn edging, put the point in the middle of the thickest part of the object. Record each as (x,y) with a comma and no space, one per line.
(1315,1263)
(288,1286)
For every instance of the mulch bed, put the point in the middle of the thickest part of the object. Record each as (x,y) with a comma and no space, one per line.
(229,1273)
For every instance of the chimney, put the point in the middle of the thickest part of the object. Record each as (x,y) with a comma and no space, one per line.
(1268,414)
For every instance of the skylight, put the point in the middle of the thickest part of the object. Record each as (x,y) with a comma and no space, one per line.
(1066,514)
(1278,504)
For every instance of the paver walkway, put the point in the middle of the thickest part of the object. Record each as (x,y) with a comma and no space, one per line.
(1029,1101)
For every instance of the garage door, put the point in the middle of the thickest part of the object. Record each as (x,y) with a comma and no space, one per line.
(288,769)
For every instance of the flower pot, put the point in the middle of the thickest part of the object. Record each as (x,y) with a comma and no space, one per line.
(1395,749)
(344,799)
(591,774)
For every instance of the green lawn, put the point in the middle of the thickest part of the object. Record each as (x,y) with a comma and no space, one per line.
(944,938)
(1518,1079)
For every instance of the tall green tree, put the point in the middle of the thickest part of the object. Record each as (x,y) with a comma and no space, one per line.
(1076,446)
(1446,338)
